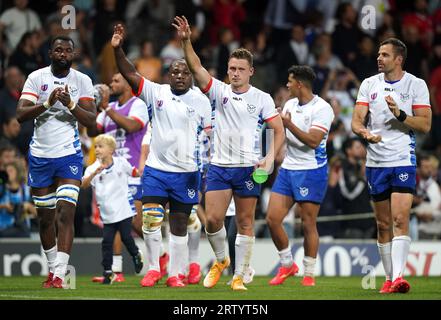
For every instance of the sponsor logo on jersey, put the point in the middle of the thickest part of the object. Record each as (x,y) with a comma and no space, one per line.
(224,100)
(237,98)
(159,103)
(374,96)
(44,87)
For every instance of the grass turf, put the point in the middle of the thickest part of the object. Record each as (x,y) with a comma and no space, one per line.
(335,288)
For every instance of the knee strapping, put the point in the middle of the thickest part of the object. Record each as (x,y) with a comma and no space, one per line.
(68,192)
(45,202)
(194,224)
(152,216)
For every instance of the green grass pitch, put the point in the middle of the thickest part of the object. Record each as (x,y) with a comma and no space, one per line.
(335,288)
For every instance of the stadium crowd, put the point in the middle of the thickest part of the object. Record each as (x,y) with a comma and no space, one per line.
(326,35)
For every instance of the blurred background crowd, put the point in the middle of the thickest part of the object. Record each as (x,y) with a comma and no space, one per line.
(326,35)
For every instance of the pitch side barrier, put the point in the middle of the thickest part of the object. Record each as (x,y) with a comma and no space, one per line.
(23,257)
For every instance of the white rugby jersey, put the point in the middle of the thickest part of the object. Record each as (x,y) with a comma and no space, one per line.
(111,189)
(397,146)
(176,121)
(316,114)
(56,130)
(237,124)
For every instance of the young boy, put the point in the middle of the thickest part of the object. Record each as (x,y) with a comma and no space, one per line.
(108,177)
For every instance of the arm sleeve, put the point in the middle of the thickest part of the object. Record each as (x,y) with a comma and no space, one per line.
(139,112)
(323,118)
(88,172)
(100,119)
(269,108)
(212,90)
(30,89)
(363,94)
(206,113)
(86,89)
(421,98)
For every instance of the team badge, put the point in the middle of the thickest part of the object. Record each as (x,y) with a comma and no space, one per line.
(73,91)
(249,184)
(251,108)
(190,112)
(404,97)
(73,169)
(403,176)
(304,191)
(191,193)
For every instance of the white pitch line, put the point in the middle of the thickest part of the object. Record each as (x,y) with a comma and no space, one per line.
(53,298)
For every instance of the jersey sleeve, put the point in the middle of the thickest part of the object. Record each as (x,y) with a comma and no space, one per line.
(89,170)
(100,120)
(323,118)
(206,113)
(127,167)
(147,137)
(421,97)
(86,93)
(363,94)
(30,89)
(269,111)
(139,113)
(213,90)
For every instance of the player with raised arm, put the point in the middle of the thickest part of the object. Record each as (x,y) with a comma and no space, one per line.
(303,176)
(239,111)
(390,107)
(171,174)
(57,97)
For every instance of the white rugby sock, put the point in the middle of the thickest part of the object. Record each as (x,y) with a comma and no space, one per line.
(217,242)
(309,266)
(286,259)
(61,265)
(400,250)
(244,249)
(193,246)
(178,249)
(51,256)
(153,241)
(117,263)
(385,250)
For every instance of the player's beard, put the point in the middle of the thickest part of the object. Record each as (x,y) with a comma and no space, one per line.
(62,65)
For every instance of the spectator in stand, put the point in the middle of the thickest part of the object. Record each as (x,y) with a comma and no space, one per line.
(26,55)
(294,52)
(435,94)
(148,65)
(365,64)
(346,34)
(228,14)
(428,199)
(416,62)
(15,22)
(10,131)
(421,20)
(9,95)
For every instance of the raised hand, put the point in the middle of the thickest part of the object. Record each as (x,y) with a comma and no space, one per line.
(183,28)
(118,36)
(392,106)
(64,96)
(53,97)
(105,94)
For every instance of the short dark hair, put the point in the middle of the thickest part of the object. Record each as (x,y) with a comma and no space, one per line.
(348,143)
(62,38)
(242,53)
(303,73)
(399,48)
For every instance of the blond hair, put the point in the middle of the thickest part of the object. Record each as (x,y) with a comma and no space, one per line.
(106,140)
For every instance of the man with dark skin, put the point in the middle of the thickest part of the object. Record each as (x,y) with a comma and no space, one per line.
(55,157)
(178,113)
